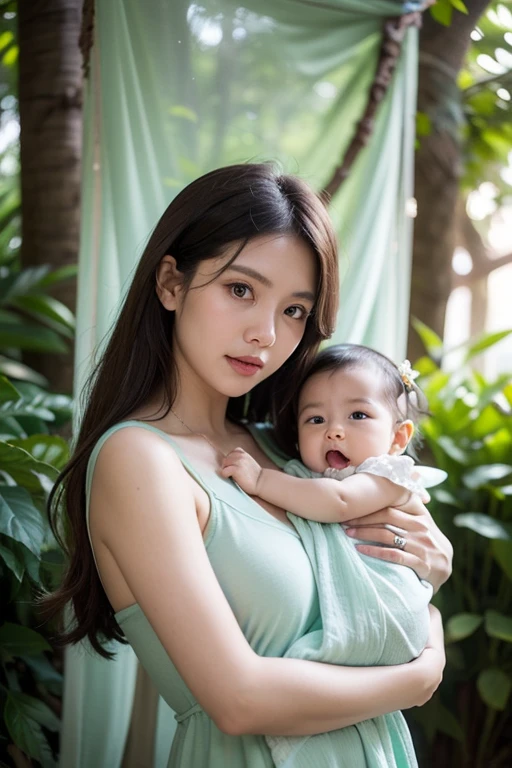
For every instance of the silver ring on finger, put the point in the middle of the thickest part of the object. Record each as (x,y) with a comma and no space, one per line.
(400,542)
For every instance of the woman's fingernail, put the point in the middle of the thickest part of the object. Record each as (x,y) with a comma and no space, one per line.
(350,531)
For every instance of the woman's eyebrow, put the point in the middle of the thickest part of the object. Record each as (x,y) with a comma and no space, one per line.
(266,282)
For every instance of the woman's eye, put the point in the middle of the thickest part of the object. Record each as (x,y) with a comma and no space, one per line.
(358,415)
(296,312)
(316,420)
(239,290)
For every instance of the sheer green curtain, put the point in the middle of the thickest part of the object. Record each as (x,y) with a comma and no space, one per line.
(177,88)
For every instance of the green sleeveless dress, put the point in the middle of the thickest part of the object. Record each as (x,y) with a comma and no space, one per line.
(268,581)
(270,584)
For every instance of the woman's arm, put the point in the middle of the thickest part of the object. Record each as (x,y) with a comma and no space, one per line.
(144,514)
(340,696)
(322,499)
(427,550)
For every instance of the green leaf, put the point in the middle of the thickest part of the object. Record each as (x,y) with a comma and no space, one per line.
(5,39)
(12,562)
(486,474)
(20,520)
(459,5)
(60,275)
(17,640)
(21,283)
(498,447)
(442,12)
(22,407)
(48,309)
(425,366)
(489,392)
(423,124)
(431,341)
(26,733)
(16,370)
(37,710)
(494,687)
(30,337)
(452,450)
(50,449)
(489,420)
(23,467)
(461,626)
(445,497)
(179,110)
(484,342)
(30,561)
(484,525)
(10,57)
(499,626)
(7,391)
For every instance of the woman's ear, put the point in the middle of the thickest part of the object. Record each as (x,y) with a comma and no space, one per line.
(403,436)
(169,283)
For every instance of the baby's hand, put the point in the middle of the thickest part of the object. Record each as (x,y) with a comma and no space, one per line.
(243,469)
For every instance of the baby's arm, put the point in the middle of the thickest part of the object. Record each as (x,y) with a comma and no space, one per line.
(323,499)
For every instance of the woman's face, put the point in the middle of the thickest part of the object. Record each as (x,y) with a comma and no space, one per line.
(236,329)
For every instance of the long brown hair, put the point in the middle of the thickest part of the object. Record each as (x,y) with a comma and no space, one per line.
(226,206)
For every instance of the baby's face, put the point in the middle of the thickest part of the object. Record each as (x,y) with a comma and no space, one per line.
(344,419)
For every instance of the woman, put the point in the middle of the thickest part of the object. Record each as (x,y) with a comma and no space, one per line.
(234,292)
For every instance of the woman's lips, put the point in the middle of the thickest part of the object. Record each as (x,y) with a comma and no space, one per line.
(336,460)
(246,366)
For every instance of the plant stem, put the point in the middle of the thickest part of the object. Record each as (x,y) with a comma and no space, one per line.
(484,738)
(486,574)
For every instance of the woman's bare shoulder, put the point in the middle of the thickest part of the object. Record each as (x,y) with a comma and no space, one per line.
(134,460)
(134,442)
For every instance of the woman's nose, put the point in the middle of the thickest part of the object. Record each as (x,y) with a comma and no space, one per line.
(263,332)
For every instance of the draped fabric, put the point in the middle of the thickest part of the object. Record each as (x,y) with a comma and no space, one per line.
(178,88)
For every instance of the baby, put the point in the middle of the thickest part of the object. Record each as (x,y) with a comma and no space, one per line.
(353,423)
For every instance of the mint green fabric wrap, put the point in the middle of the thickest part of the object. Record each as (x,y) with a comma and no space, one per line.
(372,613)
(177,88)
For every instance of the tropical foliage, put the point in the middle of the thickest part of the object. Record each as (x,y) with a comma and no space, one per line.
(30,458)
(469,434)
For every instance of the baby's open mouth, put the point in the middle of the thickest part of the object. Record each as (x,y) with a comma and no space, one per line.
(336,459)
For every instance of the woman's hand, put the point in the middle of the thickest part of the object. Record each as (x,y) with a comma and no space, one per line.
(427,550)
(432,660)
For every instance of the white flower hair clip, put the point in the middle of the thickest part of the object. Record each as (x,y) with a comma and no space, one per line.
(407,374)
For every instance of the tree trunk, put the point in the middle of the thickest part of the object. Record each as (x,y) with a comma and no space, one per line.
(438,167)
(50,102)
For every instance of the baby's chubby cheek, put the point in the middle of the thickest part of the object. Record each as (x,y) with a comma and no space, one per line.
(311,454)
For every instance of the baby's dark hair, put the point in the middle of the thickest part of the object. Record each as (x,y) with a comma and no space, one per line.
(405,398)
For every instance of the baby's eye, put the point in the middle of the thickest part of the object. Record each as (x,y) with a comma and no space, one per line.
(358,416)
(316,420)
(239,290)
(296,312)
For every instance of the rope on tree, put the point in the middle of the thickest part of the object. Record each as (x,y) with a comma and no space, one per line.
(87,35)
(393,35)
